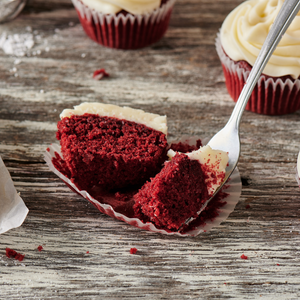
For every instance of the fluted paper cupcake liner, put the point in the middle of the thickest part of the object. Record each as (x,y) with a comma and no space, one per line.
(271,96)
(209,218)
(125,31)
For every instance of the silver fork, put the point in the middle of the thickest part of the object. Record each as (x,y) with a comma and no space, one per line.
(227,139)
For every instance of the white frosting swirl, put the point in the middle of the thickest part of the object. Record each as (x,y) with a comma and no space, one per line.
(135,7)
(245,29)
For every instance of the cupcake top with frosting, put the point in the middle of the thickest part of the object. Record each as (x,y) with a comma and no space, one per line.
(135,7)
(139,116)
(245,29)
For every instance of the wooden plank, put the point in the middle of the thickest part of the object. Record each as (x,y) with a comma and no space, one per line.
(180,76)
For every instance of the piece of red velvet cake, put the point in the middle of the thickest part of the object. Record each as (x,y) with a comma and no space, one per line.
(181,188)
(111,147)
(174,195)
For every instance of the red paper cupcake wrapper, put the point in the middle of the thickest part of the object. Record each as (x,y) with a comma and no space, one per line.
(232,190)
(124,31)
(271,96)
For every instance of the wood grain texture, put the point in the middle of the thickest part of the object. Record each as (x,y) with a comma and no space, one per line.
(180,76)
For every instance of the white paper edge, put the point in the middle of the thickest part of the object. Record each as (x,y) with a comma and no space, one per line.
(17,211)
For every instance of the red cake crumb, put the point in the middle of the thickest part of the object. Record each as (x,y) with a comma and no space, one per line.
(108,152)
(173,195)
(122,197)
(87,252)
(40,248)
(99,74)
(133,251)
(247,206)
(243,256)
(184,147)
(10,253)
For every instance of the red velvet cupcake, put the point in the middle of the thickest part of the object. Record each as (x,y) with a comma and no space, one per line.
(241,37)
(111,147)
(124,24)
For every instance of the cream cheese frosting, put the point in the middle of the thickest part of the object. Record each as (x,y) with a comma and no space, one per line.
(245,29)
(213,164)
(154,121)
(135,7)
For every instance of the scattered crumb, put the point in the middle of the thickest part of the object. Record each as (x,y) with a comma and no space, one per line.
(10,253)
(247,206)
(133,251)
(40,248)
(243,256)
(99,74)
(87,252)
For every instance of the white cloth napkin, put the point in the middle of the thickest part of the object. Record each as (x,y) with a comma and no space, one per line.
(13,210)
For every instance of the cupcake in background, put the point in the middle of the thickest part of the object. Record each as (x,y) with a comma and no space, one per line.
(241,37)
(124,24)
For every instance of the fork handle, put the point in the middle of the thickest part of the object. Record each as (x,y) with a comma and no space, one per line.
(284,18)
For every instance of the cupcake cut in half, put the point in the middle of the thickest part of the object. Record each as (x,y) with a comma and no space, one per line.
(241,37)
(124,24)
(110,147)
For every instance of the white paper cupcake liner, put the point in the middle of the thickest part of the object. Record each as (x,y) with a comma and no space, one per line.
(271,96)
(124,31)
(232,189)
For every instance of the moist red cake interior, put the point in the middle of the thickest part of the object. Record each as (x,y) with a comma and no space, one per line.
(112,159)
(108,152)
(173,195)
(185,147)
(122,200)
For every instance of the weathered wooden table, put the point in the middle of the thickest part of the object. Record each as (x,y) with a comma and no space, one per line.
(85,253)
